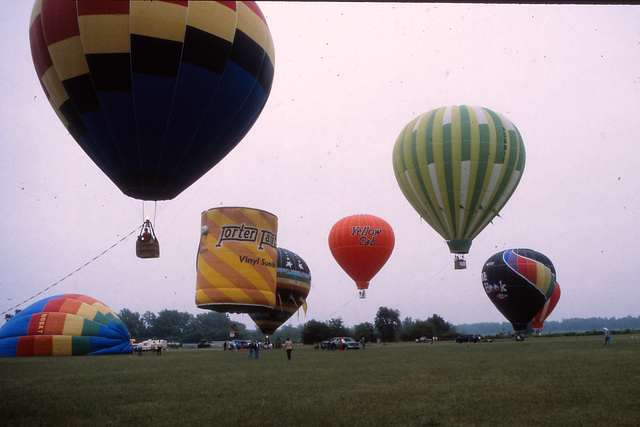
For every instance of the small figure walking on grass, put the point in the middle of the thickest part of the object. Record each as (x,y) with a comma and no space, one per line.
(288,345)
(607,337)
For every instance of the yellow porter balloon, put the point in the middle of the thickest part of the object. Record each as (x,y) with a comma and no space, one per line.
(236,264)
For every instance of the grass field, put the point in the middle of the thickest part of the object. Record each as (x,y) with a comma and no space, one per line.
(542,381)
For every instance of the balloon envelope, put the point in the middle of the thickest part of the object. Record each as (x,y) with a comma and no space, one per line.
(538,320)
(458,166)
(293,282)
(518,282)
(236,263)
(361,244)
(155,92)
(65,325)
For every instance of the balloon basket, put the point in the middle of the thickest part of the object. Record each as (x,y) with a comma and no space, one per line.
(147,245)
(459,263)
(362,294)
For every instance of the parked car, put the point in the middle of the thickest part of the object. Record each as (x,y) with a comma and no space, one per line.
(348,343)
(152,345)
(467,338)
(424,339)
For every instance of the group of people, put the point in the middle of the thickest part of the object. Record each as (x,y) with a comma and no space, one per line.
(254,348)
(156,348)
(335,344)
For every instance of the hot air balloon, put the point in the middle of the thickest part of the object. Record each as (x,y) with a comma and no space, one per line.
(458,166)
(293,282)
(155,92)
(361,244)
(547,308)
(236,262)
(519,282)
(65,325)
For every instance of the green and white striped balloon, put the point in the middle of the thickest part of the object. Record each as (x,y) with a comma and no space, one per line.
(458,166)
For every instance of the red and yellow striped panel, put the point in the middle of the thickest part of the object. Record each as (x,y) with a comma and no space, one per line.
(536,272)
(52,345)
(56,324)
(236,264)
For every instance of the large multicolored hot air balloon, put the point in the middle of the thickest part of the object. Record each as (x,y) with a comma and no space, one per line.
(293,282)
(538,320)
(519,282)
(236,263)
(361,244)
(65,325)
(155,92)
(458,166)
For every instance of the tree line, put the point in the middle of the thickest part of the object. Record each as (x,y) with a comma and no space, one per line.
(184,327)
(628,323)
(386,327)
(176,326)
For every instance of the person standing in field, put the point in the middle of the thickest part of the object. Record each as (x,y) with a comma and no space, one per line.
(288,345)
(607,336)
(251,346)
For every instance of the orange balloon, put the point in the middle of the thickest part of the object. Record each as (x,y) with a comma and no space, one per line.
(361,244)
(538,320)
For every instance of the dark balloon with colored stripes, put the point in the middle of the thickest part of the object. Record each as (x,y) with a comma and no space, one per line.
(65,325)
(519,282)
(293,283)
(155,92)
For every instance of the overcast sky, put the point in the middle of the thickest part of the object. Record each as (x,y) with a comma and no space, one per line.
(348,78)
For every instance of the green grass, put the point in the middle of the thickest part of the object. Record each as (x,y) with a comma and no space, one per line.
(542,381)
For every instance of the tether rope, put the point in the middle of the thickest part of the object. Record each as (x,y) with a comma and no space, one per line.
(73,272)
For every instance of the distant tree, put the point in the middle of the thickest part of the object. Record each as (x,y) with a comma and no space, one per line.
(421,328)
(366,330)
(441,328)
(314,331)
(387,323)
(171,324)
(405,329)
(288,331)
(337,328)
(209,326)
(134,323)
(148,318)
(8,316)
